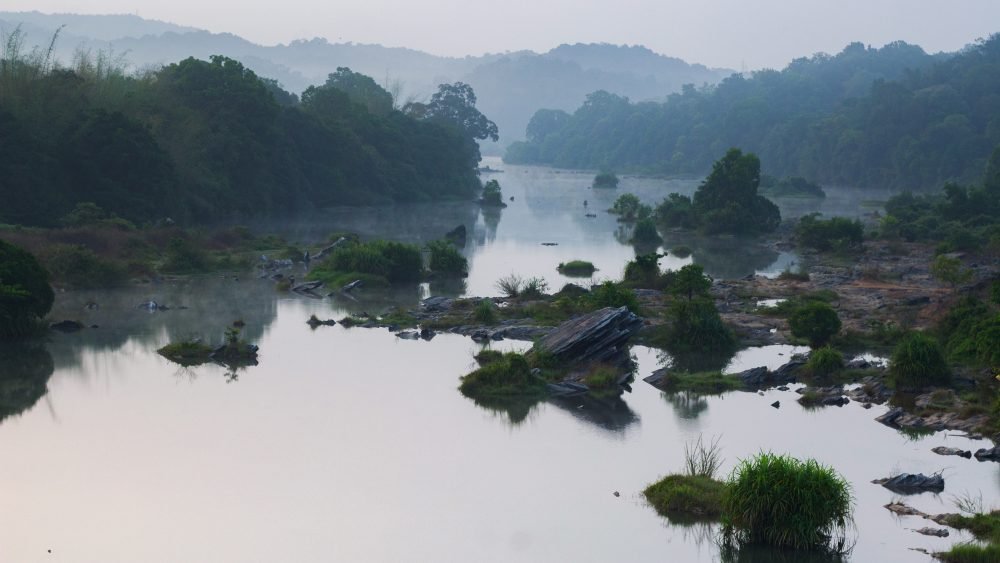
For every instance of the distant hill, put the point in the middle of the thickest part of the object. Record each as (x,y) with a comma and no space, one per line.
(510,86)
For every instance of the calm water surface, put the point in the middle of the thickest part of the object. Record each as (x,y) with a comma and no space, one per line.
(354,445)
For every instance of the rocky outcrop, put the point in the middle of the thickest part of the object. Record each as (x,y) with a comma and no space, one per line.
(898,418)
(912,483)
(988,454)
(598,336)
(944,450)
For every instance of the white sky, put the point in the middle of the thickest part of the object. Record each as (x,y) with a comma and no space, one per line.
(729,33)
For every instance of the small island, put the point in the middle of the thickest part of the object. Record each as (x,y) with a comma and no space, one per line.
(606,180)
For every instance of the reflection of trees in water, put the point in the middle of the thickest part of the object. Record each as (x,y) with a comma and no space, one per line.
(610,413)
(764,554)
(491,220)
(693,362)
(25,369)
(448,286)
(687,405)
(724,257)
(515,409)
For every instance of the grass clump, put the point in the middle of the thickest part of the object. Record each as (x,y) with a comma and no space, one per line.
(485,357)
(696,494)
(507,376)
(187,353)
(825,361)
(781,501)
(601,377)
(612,294)
(378,262)
(577,268)
(918,361)
(970,553)
(485,312)
(986,528)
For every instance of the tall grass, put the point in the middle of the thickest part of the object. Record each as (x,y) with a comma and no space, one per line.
(702,459)
(781,501)
(917,361)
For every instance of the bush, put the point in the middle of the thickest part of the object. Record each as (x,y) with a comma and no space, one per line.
(510,286)
(88,214)
(79,267)
(446,259)
(577,268)
(183,256)
(918,361)
(492,196)
(949,270)
(507,376)
(394,261)
(676,210)
(643,271)
(690,281)
(611,294)
(825,361)
(971,333)
(25,294)
(606,180)
(534,288)
(836,233)
(629,208)
(815,321)
(784,502)
(645,232)
(697,327)
(686,496)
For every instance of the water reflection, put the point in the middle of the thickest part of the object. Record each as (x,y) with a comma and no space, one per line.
(763,554)
(609,413)
(687,405)
(25,369)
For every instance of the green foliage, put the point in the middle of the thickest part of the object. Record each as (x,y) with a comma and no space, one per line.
(606,180)
(395,262)
(87,214)
(971,333)
(25,294)
(184,256)
(690,281)
(534,288)
(446,259)
(727,201)
(836,233)
(630,209)
(825,361)
(894,117)
(199,140)
(784,502)
(696,327)
(643,272)
(484,357)
(970,553)
(676,211)
(645,232)
(505,377)
(485,312)
(79,267)
(815,321)
(949,270)
(601,378)
(959,218)
(686,496)
(492,196)
(510,286)
(995,292)
(918,361)
(187,353)
(985,527)
(611,294)
(577,268)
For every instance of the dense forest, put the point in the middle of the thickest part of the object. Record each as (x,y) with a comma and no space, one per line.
(894,117)
(198,140)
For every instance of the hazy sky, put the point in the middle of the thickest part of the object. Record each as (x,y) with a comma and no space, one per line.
(730,33)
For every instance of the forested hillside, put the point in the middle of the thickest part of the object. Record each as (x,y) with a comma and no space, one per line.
(893,117)
(200,140)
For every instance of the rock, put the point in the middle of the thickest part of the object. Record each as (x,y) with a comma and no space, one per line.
(597,336)
(351,286)
(919,300)
(567,388)
(858,363)
(942,450)
(656,378)
(522,332)
(550,244)
(890,418)
(314,322)
(823,396)
(937,532)
(67,326)
(322,253)
(786,373)
(437,304)
(912,483)
(988,454)
(755,377)
(408,335)
(480,335)
(904,510)
(307,287)
(427,333)
(776,404)
(871,390)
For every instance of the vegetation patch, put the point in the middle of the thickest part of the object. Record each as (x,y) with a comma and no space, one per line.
(446,259)
(576,268)
(784,502)
(794,186)
(816,321)
(508,376)
(825,361)
(606,180)
(686,497)
(918,361)
(701,383)
(836,233)
(381,262)
(25,294)
(986,528)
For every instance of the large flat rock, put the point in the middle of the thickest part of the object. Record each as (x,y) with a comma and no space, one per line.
(598,336)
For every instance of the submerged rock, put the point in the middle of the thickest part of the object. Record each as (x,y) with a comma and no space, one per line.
(943,450)
(937,532)
(314,322)
(912,483)
(988,454)
(597,336)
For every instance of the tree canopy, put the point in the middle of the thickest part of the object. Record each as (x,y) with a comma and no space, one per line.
(25,294)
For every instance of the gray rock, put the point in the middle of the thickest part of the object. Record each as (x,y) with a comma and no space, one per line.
(597,336)
(937,532)
(787,372)
(988,454)
(755,377)
(942,450)
(912,483)
(67,326)
(437,304)
(408,335)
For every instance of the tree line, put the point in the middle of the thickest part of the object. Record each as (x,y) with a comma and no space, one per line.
(892,117)
(201,140)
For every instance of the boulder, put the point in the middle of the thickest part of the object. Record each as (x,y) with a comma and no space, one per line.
(66,326)
(307,287)
(351,286)
(408,335)
(912,483)
(942,450)
(755,377)
(597,336)
(988,454)
(437,304)
(937,532)
(787,372)
(314,322)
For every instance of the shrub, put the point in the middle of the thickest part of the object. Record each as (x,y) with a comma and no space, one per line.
(995,292)
(394,261)
(492,196)
(510,286)
(446,259)
(488,357)
(611,294)
(508,376)
(87,214)
(601,378)
(25,294)
(645,232)
(971,333)
(949,270)
(815,321)
(676,210)
(697,327)
(825,361)
(836,233)
(629,208)
(918,361)
(681,251)
(606,180)
(690,281)
(485,312)
(79,267)
(183,256)
(534,288)
(643,271)
(577,268)
(782,501)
